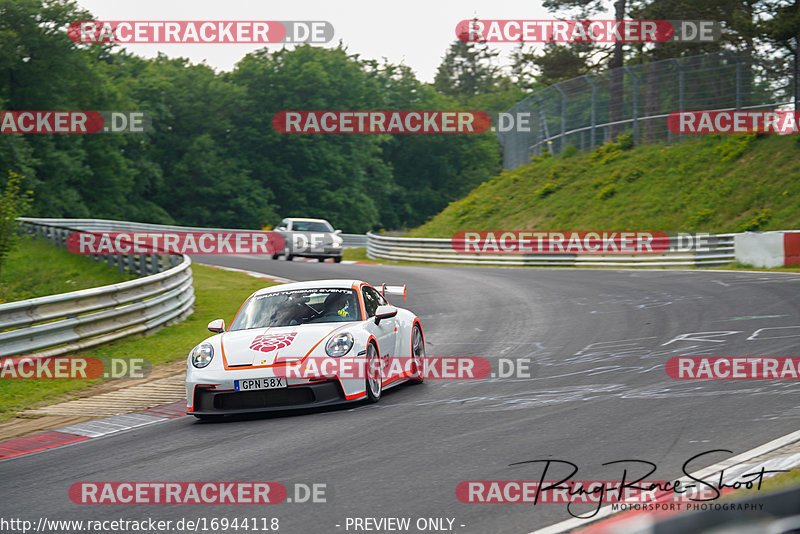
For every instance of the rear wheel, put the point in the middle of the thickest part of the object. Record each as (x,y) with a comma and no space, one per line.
(373,372)
(417,356)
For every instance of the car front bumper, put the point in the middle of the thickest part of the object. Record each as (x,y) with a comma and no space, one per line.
(211,401)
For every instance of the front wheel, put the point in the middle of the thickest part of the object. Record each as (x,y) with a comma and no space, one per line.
(286,255)
(417,356)
(337,259)
(374,381)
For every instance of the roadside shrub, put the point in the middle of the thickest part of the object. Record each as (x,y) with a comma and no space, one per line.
(569,151)
(547,189)
(734,146)
(760,220)
(607,192)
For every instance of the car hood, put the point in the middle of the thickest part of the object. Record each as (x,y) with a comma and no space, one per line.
(265,346)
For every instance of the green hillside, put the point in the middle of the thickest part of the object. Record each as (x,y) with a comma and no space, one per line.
(719,183)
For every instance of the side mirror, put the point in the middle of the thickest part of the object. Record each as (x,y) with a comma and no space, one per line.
(384,312)
(337,231)
(280,229)
(217,326)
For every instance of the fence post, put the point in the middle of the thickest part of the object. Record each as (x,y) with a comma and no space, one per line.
(635,104)
(680,96)
(563,116)
(738,82)
(543,121)
(594,108)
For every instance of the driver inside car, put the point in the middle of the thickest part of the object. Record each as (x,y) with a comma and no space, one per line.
(338,306)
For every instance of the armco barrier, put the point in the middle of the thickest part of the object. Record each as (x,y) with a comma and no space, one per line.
(108,225)
(720,251)
(59,324)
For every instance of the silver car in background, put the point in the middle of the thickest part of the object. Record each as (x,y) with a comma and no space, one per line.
(309,238)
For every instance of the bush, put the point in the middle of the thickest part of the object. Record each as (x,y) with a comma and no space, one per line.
(607,192)
(634,175)
(734,146)
(548,189)
(13,203)
(759,221)
(569,151)
(625,141)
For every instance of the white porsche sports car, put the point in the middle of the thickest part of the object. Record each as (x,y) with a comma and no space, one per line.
(302,345)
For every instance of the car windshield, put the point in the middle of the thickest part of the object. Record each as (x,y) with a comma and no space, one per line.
(298,306)
(309,226)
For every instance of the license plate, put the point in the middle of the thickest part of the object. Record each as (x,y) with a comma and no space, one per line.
(248,384)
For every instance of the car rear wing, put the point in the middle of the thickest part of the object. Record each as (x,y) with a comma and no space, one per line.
(393,290)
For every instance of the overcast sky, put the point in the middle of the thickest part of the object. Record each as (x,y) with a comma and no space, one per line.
(416,33)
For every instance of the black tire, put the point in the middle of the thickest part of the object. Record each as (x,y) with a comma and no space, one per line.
(418,355)
(374,387)
(276,256)
(321,259)
(337,259)
(210,417)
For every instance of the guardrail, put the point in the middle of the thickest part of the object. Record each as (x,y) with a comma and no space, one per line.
(109,225)
(59,324)
(440,250)
(353,240)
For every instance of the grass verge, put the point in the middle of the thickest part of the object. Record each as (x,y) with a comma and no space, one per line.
(218,294)
(36,268)
(779,482)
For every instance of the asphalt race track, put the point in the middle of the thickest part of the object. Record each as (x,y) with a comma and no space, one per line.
(597,340)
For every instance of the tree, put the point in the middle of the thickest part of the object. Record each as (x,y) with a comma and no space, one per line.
(13,203)
(783,31)
(563,62)
(615,63)
(468,69)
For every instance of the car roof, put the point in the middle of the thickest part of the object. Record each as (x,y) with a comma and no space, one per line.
(314,284)
(304,220)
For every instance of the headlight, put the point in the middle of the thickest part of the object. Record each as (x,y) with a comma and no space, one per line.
(202,354)
(336,244)
(339,345)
